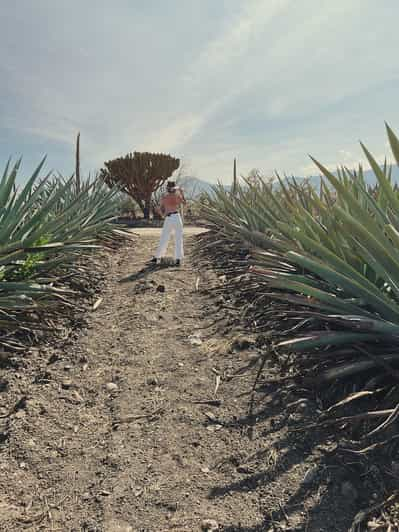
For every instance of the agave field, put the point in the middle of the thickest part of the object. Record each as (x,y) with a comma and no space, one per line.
(321,282)
(47,227)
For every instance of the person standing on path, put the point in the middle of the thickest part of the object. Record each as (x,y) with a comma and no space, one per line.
(169,208)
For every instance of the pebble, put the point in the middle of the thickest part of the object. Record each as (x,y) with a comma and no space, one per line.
(195,340)
(66,383)
(213,428)
(209,525)
(111,386)
(152,381)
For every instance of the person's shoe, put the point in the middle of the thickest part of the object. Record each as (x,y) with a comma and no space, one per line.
(177,262)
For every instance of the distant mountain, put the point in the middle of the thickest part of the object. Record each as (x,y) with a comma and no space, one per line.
(369,177)
(193,186)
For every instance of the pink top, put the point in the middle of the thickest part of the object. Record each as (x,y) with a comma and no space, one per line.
(171,202)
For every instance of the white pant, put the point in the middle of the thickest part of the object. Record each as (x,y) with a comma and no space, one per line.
(171,223)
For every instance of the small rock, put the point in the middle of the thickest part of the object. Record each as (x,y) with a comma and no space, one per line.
(67,367)
(77,396)
(86,496)
(310,476)
(22,465)
(209,525)
(66,383)
(152,381)
(211,416)
(205,470)
(111,386)
(213,428)
(349,491)
(161,288)
(194,340)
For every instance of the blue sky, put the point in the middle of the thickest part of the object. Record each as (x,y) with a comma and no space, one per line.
(266,81)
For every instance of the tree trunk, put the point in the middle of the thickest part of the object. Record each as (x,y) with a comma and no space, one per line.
(147,209)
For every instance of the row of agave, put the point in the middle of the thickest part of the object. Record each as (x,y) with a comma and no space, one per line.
(45,226)
(326,264)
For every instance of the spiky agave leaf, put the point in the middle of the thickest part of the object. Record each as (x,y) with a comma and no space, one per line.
(342,249)
(46,224)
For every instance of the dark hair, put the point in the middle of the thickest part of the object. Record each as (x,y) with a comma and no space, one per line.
(171,185)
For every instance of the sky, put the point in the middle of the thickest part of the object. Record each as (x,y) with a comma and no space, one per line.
(265,81)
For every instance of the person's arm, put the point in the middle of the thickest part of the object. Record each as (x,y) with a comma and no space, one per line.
(162,208)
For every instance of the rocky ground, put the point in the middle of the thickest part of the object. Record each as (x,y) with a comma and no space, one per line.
(139,420)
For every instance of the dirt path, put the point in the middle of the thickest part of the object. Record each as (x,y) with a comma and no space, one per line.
(113,436)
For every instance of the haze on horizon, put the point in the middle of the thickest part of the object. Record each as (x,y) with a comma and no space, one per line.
(266,81)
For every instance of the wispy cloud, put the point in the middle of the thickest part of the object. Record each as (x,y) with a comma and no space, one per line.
(267,81)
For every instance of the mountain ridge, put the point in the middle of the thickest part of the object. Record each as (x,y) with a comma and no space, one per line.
(194,186)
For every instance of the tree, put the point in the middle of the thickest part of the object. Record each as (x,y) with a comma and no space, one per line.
(140,175)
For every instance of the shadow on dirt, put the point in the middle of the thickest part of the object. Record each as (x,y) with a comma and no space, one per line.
(149,269)
(332,488)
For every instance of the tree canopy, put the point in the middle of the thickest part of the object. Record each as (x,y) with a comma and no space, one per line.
(140,174)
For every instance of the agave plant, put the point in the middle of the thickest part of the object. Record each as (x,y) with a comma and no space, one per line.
(331,258)
(45,225)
